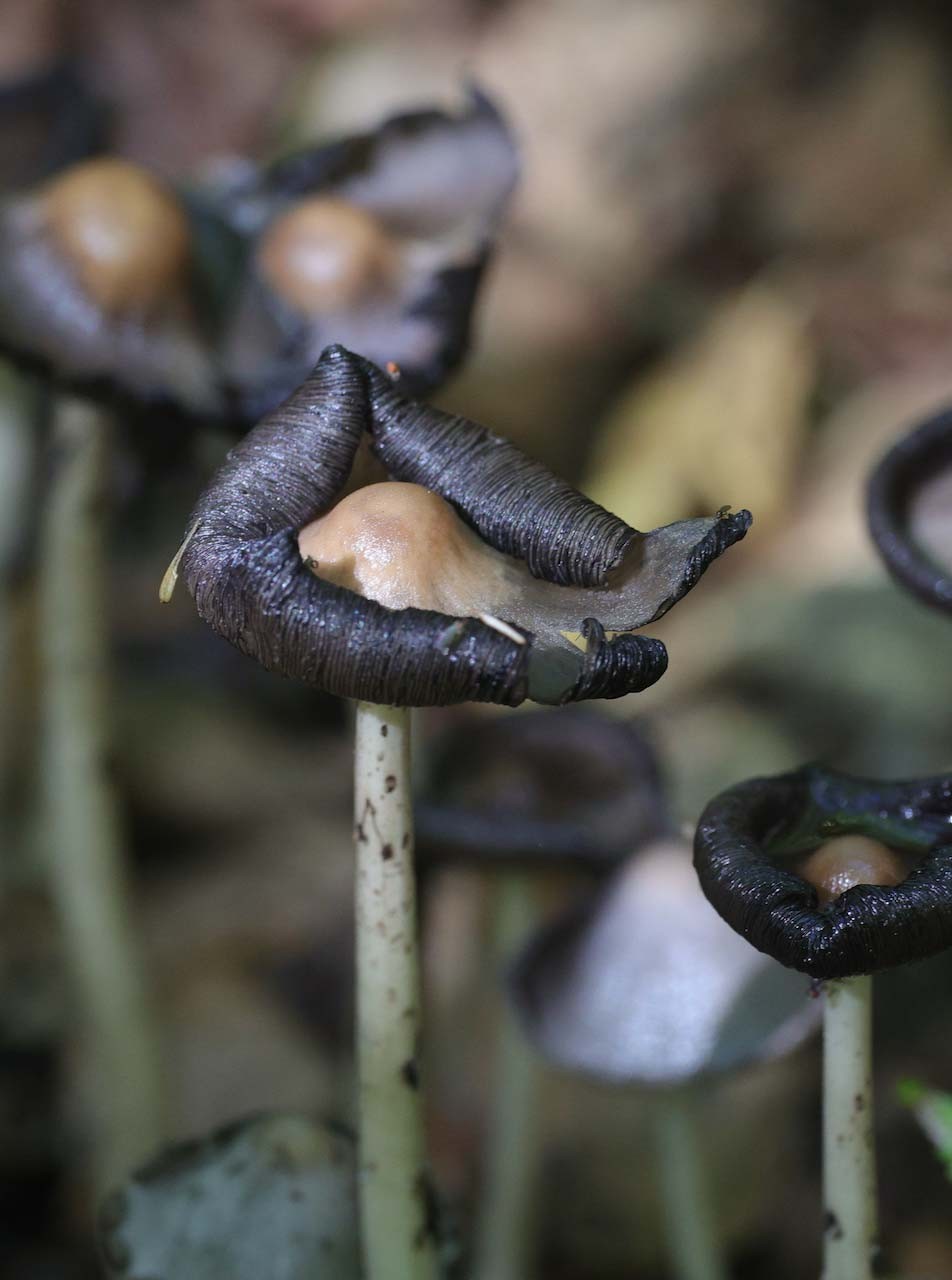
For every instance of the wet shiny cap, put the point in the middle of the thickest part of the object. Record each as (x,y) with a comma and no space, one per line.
(544,788)
(647,985)
(830,874)
(909,508)
(542,589)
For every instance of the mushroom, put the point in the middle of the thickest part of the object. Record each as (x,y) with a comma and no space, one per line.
(645,985)
(535,551)
(85,256)
(216,302)
(909,499)
(270,1195)
(377,241)
(273,563)
(82,820)
(574,790)
(837,877)
(518,796)
(95,285)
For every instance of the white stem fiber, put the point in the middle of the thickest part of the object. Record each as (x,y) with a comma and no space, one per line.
(87,875)
(397,1241)
(690,1230)
(504,1237)
(849,1158)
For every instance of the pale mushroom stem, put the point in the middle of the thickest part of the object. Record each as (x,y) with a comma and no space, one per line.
(504,1239)
(689,1219)
(396,1238)
(849,1158)
(87,876)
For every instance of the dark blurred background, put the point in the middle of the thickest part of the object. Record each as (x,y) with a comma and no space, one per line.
(726,279)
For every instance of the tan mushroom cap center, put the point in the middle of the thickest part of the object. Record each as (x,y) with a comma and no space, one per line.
(403,546)
(846,861)
(123,234)
(325,254)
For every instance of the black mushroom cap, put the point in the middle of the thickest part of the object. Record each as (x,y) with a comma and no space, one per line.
(645,984)
(99,288)
(545,788)
(243,565)
(435,184)
(749,838)
(220,343)
(911,486)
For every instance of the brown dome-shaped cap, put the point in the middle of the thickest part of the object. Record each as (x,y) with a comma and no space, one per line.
(647,985)
(324,254)
(125,237)
(543,788)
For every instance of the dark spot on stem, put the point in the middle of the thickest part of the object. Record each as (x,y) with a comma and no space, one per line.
(387,852)
(390,783)
(431,1212)
(831,1226)
(383,731)
(410,1073)
(859,1103)
(113,1211)
(117,1254)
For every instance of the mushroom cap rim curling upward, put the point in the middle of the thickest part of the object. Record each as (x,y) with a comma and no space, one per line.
(243,566)
(571,789)
(893,486)
(644,984)
(747,840)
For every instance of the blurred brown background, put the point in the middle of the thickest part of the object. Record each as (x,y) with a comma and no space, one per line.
(726,279)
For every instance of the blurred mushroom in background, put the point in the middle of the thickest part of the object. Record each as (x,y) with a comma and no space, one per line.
(526,800)
(644,986)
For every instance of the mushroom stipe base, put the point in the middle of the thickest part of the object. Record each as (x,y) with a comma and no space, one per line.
(86,871)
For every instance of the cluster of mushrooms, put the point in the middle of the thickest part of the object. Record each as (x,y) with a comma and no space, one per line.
(215,300)
(362,542)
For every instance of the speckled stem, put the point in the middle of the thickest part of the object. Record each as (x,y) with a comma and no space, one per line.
(849,1157)
(396,1238)
(87,876)
(689,1219)
(504,1240)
